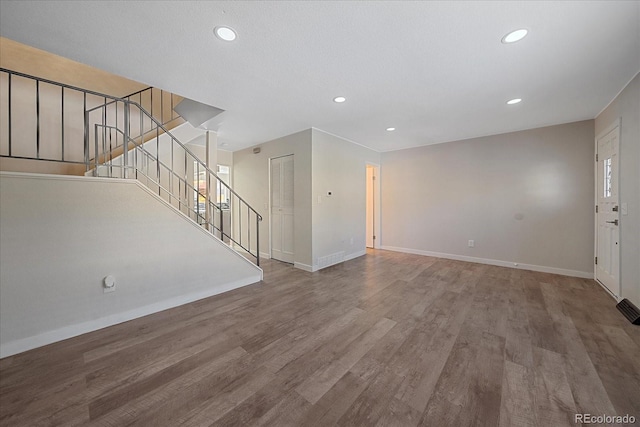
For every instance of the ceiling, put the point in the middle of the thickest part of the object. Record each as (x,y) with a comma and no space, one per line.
(436,71)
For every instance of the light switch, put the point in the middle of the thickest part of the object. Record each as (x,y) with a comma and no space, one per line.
(624,209)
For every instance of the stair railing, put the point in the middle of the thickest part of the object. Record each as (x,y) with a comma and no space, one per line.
(118,137)
(171,170)
(57,111)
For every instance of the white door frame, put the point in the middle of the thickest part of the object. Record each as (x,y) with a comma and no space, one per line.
(377,242)
(608,129)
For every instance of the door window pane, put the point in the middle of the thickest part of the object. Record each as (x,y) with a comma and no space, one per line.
(607,177)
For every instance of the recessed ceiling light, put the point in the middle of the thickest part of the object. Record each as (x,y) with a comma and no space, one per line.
(514,36)
(514,101)
(390,129)
(225,33)
(339,99)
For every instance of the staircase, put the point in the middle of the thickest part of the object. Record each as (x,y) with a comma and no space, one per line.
(104,136)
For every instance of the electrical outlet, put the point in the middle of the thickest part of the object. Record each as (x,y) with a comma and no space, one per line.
(109,284)
(472,243)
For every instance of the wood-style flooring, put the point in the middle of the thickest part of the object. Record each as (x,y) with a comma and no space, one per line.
(387,339)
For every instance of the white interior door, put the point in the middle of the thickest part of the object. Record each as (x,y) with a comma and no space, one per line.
(282,208)
(607,218)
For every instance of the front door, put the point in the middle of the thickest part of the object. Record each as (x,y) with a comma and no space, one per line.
(607,216)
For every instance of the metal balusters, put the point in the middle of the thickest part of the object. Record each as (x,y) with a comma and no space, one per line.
(62,120)
(197,193)
(185,180)
(85,125)
(104,130)
(9,99)
(112,138)
(95,171)
(220,213)
(257,240)
(37,119)
(142,134)
(108,131)
(125,143)
(151,106)
(157,153)
(171,182)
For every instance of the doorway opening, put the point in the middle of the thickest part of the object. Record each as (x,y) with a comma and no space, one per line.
(373,206)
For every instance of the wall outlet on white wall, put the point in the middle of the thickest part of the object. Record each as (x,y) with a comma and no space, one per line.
(109,284)
(472,243)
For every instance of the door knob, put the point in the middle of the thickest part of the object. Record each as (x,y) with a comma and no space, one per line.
(613,222)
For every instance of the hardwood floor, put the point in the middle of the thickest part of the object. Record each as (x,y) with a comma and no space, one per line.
(387,339)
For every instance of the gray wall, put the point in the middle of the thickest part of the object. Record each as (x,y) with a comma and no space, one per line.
(323,225)
(251,181)
(626,107)
(339,220)
(58,244)
(524,197)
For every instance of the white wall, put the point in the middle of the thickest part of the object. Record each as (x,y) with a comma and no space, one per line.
(251,181)
(524,197)
(626,107)
(60,236)
(324,226)
(339,220)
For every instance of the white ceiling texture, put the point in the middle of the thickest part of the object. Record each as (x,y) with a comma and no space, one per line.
(435,70)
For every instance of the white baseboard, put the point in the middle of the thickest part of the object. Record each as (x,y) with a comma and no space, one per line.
(500,263)
(347,257)
(18,346)
(355,255)
(305,267)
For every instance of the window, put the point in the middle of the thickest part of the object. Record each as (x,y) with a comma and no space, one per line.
(224,195)
(607,177)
